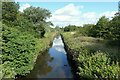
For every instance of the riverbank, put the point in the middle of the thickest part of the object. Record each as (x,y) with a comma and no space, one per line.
(47,64)
(91,57)
(8,69)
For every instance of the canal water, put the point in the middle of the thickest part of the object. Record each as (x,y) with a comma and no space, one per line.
(52,64)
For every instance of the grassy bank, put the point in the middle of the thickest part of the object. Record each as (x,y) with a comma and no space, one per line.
(93,57)
(22,54)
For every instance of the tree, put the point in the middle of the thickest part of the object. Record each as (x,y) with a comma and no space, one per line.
(57,28)
(9,12)
(70,28)
(101,28)
(38,16)
(114,28)
(86,30)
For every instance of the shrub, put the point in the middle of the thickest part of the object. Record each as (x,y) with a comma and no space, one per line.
(19,49)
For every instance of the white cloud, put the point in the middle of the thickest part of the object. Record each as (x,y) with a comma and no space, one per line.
(70,14)
(63,18)
(108,14)
(24,6)
(73,15)
(89,15)
(69,10)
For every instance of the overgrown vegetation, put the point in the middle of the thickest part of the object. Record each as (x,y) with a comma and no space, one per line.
(95,48)
(24,35)
(92,56)
(104,28)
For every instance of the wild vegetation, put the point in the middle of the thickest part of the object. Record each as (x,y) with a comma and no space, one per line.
(95,48)
(93,57)
(24,35)
(104,28)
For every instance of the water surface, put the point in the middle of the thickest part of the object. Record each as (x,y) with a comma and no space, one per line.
(52,64)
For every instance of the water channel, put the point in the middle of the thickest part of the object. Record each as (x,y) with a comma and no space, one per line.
(52,64)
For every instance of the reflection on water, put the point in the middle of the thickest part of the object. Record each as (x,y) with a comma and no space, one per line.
(41,67)
(51,64)
(58,44)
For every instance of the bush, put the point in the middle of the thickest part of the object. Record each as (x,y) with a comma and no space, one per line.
(19,48)
(97,65)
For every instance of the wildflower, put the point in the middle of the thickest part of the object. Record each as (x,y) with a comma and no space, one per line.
(12,68)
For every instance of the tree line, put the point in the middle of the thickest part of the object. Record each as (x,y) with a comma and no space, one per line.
(104,28)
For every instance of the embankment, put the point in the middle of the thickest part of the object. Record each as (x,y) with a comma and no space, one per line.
(91,57)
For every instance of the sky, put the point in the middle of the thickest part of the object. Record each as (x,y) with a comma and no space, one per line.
(75,13)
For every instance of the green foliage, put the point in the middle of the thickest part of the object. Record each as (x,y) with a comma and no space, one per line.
(19,48)
(85,30)
(70,28)
(21,38)
(9,12)
(7,71)
(92,57)
(114,29)
(57,28)
(36,14)
(101,28)
(98,66)
(51,29)
(38,17)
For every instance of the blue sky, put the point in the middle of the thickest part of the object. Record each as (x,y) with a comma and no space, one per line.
(75,13)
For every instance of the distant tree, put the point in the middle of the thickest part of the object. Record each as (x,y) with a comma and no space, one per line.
(70,28)
(62,29)
(66,29)
(101,28)
(87,29)
(57,28)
